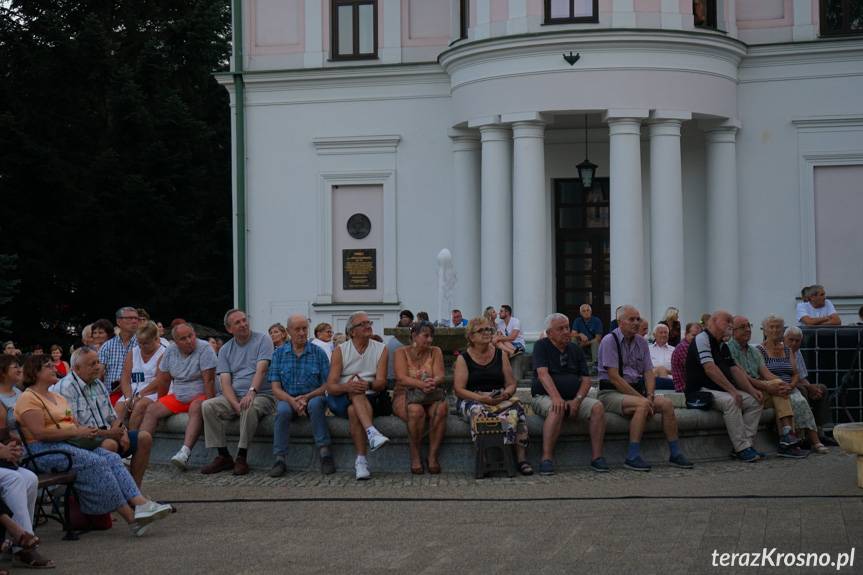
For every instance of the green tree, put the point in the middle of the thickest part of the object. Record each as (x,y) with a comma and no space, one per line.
(115,160)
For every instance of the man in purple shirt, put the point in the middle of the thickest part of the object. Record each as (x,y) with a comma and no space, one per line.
(626,385)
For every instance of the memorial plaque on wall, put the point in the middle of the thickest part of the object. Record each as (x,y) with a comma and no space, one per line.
(359,269)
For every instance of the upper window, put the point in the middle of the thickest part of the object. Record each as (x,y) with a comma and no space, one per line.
(463,18)
(565,11)
(354,29)
(841,17)
(704,13)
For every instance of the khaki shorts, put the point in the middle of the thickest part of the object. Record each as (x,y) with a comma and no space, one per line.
(612,401)
(541,405)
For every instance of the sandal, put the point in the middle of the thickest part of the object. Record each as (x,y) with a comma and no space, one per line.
(524,468)
(26,541)
(819,448)
(32,559)
(418,470)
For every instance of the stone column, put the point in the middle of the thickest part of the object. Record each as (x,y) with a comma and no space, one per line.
(666,213)
(723,251)
(625,209)
(465,244)
(530,234)
(496,217)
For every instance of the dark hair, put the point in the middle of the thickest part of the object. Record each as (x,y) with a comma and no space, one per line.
(32,367)
(53,347)
(105,325)
(408,313)
(422,316)
(507,308)
(421,326)
(143,313)
(690,324)
(5,362)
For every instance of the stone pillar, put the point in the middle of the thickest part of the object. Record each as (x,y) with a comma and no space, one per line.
(465,244)
(496,217)
(530,233)
(625,209)
(666,213)
(723,251)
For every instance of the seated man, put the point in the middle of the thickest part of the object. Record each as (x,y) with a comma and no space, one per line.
(358,373)
(89,401)
(457,319)
(243,364)
(678,357)
(775,391)
(660,357)
(191,363)
(815,393)
(587,331)
(626,388)
(710,367)
(559,389)
(298,378)
(818,310)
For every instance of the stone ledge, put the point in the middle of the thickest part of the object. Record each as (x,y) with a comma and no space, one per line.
(702,437)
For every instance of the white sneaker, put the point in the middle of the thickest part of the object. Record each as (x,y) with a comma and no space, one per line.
(151,511)
(377,440)
(138,530)
(362,469)
(181,460)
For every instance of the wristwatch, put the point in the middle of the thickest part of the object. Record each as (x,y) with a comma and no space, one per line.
(253,389)
(579,397)
(370,386)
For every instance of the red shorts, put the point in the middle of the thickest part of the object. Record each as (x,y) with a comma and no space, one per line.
(177,406)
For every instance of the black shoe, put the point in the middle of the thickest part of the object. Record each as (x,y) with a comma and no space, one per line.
(327,465)
(829,441)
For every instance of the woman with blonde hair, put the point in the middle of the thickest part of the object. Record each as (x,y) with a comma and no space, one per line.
(490,316)
(671,319)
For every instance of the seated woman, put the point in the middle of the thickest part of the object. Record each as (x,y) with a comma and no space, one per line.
(483,378)
(104,483)
(780,362)
(102,330)
(57,355)
(671,320)
(490,316)
(18,486)
(139,370)
(419,366)
(278,334)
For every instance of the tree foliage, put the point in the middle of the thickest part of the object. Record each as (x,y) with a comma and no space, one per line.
(115,160)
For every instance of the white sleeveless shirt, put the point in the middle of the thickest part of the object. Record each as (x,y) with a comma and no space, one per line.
(143,373)
(363,364)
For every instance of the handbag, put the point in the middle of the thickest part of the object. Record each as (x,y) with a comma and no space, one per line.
(502,406)
(79,442)
(84,521)
(383,404)
(699,400)
(416,395)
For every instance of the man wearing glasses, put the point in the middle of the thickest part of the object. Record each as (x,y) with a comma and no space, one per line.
(358,373)
(113,352)
(559,388)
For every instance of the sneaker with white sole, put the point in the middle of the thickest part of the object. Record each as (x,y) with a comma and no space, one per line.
(377,440)
(181,460)
(362,469)
(151,511)
(138,530)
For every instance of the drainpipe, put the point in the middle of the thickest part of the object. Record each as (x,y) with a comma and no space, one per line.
(240,157)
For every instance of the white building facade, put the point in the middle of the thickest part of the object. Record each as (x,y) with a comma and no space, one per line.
(370,134)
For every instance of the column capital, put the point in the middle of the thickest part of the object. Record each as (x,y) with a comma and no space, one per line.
(463,139)
(528,129)
(715,129)
(495,132)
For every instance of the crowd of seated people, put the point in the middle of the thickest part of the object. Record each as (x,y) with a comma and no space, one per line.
(288,374)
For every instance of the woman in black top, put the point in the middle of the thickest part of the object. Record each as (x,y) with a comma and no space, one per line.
(483,380)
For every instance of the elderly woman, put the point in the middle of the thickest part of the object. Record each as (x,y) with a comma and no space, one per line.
(139,370)
(278,334)
(419,394)
(103,484)
(484,379)
(671,320)
(814,393)
(779,360)
(17,486)
(324,338)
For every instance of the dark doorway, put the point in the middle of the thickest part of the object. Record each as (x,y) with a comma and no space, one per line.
(582,248)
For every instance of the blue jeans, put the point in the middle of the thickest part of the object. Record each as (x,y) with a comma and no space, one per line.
(317,410)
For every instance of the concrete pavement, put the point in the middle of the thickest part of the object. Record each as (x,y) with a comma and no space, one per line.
(665,521)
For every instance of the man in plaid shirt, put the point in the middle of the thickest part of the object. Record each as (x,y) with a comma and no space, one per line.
(89,401)
(678,357)
(113,352)
(298,374)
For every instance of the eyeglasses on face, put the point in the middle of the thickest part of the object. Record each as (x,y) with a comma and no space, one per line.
(484,331)
(364,323)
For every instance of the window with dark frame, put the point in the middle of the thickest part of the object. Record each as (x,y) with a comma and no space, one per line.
(569,11)
(354,29)
(841,17)
(704,13)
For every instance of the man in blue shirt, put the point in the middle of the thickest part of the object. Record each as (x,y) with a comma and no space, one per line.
(587,333)
(298,375)
(457,319)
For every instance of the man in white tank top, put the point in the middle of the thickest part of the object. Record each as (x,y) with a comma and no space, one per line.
(358,373)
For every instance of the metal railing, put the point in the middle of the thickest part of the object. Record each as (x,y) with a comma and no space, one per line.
(829,352)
